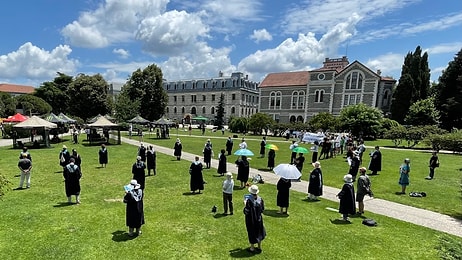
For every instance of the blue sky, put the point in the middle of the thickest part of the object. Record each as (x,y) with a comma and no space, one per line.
(199,38)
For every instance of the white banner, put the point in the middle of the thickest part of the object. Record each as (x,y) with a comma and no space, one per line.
(311,137)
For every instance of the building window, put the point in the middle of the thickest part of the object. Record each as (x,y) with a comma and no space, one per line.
(193,110)
(193,98)
(182,98)
(167,110)
(354,80)
(233,110)
(182,110)
(174,98)
(203,98)
(168,86)
(386,98)
(212,110)
(293,104)
(194,85)
(213,97)
(233,96)
(222,84)
(183,86)
(174,110)
(319,96)
(275,100)
(203,110)
(351,99)
(176,86)
(297,99)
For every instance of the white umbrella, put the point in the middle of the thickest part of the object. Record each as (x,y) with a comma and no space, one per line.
(287,171)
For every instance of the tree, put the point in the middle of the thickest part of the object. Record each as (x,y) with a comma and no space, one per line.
(448,94)
(88,96)
(422,112)
(124,108)
(361,120)
(414,84)
(31,104)
(238,124)
(260,121)
(145,86)
(324,121)
(219,118)
(7,104)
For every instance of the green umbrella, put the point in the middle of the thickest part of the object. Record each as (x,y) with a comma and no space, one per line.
(200,118)
(299,149)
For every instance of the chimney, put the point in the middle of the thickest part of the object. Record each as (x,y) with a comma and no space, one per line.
(247,76)
(220,74)
(379,72)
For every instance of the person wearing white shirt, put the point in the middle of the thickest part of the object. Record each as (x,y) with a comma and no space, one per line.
(228,186)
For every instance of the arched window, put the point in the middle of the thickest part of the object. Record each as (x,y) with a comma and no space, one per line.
(167,110)
(292,119)
(233,110)
(354,80)
(212,110)
(319,96)
(182,110)
(203,110)
(193,110)
(275,100)
(299,119)
(174,110)
(386,98)
(293,104)
(222,84)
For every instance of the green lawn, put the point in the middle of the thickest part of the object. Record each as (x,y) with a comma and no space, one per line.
(37,224)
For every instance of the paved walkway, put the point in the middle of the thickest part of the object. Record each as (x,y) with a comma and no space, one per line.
(395,210)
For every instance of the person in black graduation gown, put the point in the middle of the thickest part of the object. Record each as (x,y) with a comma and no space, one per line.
(103,156)
(254,207)
(196,182)
(134,213)
(138,172)
(151,160)
(222,169)
(347,198)
(282,199)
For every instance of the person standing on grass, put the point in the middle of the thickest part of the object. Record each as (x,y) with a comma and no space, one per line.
(293,155)
(354,165)
(315,182)
(243,144)
(299,161)
(24,150)
(64,157)
(25,166)
(404,170)
(196,180)
(282,199)
(432,164)
(375,165)
(177,149)
(254,207)
(229,145)
(134,214)
(138,172)
(228,186)
(243,169)
(271,157)
(77,159)
(222,168)
(262,147)
(142,152)
(103,156)
(314,149)
(207,152)
(72,175)
(151,160)
(347,198)
(363,189)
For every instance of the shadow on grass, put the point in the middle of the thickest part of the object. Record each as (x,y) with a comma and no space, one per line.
(238,188)
(399,193)
(339,222)
(240,253)
(59,171)
(63,204)
(188,193)
(121,236)
(310,200)
(219,215)
(274,213)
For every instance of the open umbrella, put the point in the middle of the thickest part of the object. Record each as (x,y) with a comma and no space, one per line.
(244,152)
(287,171)
(299,149)
(272,147)
(200,118)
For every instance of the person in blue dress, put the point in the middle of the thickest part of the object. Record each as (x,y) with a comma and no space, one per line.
(404,170)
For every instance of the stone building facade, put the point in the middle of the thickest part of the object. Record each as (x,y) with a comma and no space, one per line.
(200,97)
(297,96)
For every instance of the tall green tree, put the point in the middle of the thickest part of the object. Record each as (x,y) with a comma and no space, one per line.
(89,96)
(324,121)
(260,121)
(422,112)
(55,92)
(32,105)
(448,94)
(361,120)
(124,108)
(220,116)
(145,86)
(414,84)
(7,104)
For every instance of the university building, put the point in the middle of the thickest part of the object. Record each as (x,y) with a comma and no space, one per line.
(298,96)
(200,97)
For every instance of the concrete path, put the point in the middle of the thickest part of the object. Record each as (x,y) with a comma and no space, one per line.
(395,210)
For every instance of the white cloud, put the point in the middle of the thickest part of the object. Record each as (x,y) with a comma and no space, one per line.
(171,33)
(122,53)
(452,47)
(320,15)
(261,35)
(113,21)
(389,64)
(31,62)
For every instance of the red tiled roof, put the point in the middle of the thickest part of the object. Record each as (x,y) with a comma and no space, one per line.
(387,79)
(283,79)
(11,88)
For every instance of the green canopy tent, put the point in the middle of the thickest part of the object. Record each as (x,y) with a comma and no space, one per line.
(66,119)
(54,119)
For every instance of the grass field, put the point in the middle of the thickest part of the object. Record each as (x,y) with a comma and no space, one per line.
(38,224)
